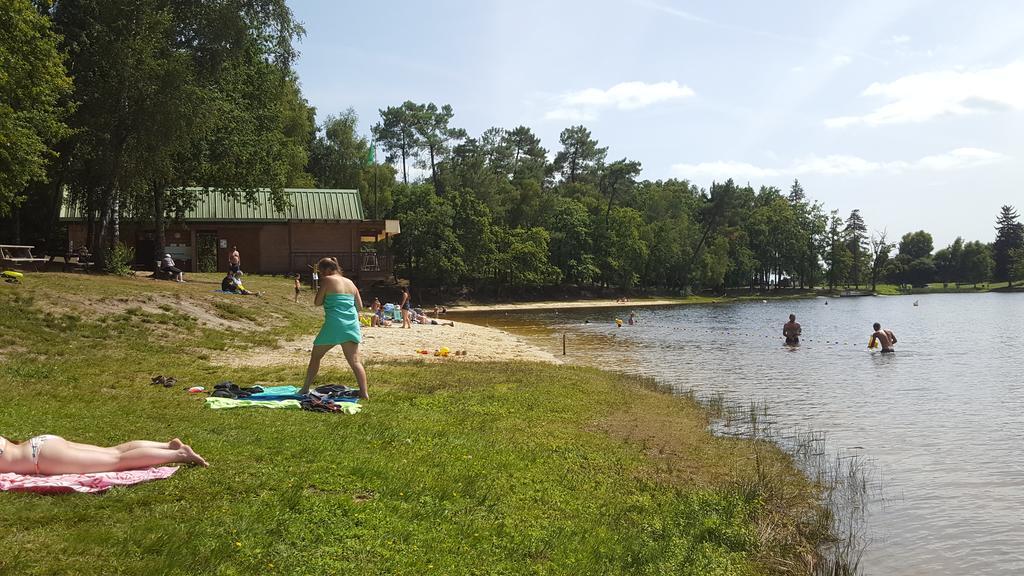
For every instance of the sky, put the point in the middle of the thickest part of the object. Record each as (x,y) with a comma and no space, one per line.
(911,111)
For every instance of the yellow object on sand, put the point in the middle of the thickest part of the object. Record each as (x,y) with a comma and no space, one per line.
(12,275)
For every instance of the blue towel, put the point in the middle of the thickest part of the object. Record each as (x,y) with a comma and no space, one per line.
(273,393)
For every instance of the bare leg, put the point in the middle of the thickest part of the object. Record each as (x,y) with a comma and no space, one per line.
(172,445)
(62,457)
(314,365)
(351,350)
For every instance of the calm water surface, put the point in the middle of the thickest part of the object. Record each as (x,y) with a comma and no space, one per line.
(942,419)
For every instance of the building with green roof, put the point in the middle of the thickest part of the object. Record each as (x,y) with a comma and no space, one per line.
(315,224)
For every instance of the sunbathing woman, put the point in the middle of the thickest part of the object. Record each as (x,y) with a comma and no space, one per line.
(49,454)
(342,303)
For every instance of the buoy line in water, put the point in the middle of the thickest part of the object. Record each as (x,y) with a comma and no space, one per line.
(709,331)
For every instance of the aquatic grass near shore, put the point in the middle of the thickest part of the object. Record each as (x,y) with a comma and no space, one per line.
(846,484)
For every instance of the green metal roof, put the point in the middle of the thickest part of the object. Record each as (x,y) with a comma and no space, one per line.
(307,204)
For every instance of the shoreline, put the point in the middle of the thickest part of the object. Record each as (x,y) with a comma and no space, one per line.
(608,303)
(394,344)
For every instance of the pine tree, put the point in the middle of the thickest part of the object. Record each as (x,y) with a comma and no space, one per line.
(1009,237)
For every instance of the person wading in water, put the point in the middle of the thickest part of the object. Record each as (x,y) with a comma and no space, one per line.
(885,337)
(791,330)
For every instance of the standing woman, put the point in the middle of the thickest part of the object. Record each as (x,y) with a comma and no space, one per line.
(406,307)
(341,302)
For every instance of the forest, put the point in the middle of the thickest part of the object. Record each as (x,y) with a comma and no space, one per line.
(119,106)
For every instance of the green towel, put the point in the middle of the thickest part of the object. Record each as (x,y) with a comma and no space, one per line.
(224,403)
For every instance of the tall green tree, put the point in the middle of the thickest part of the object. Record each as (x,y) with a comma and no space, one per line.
(916,245)
(880,250)
(1009,237)
(856,233)
(837,256)
(172,94)
(33,87)
(396,132)
(580,156)
(975,263)
(435,135)
(339,153)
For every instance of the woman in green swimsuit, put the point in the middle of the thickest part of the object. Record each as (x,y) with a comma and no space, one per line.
(341,302)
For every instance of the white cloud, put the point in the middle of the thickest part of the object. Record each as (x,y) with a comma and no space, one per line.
(585,104)
(839,165)
(838,61)
(898,39)
(929,95)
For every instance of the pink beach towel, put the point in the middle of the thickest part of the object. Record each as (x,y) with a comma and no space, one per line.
(98,482)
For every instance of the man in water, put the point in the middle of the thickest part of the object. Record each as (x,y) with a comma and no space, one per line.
(791,330)
(885,337)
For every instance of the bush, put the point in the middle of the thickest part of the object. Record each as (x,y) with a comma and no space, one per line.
(119,260)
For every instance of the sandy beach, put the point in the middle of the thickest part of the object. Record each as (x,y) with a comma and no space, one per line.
(381,345)
(550,305)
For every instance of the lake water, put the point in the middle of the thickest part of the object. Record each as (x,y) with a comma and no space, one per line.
(941,421)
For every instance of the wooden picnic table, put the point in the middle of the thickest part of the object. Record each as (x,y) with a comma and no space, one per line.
(17,256)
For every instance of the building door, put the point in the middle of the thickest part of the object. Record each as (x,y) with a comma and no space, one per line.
(206,251)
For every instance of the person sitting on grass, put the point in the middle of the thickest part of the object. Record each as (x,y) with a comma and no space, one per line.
(233,284)
(167,266)
(49,454)
(341,301)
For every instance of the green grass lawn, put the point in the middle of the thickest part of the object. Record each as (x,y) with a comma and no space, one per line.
(449,469)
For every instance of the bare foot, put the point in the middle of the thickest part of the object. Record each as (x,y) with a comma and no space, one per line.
(303,392)
(175,443)
(192,457)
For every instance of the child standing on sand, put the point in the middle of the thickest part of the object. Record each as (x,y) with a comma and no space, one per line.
(341,301)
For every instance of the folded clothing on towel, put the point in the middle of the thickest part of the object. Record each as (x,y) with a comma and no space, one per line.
(223,403)
(84,483)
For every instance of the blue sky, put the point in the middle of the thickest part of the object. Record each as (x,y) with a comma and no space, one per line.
(911,111)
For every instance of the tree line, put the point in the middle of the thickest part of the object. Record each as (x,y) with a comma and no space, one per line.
(124,104)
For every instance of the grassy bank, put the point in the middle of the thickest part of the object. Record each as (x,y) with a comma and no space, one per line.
(450,468)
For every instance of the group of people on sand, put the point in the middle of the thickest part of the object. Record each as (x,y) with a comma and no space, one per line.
(791,331)
(382,314)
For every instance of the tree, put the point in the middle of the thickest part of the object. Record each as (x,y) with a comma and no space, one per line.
(434,135)
(522,258)
(837,256)
(33,86)
(916,244)
(1017,265)
(172,94)
(880,250)
(1009,237)
(949,263)
(975,263)
(528,156)
(580,155)
(338,155)
(796,192)
(856,239)
(570,243)
(396,132)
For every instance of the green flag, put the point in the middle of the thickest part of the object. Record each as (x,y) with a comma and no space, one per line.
(371,155)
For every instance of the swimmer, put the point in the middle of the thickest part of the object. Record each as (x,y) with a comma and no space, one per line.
(632,318)
(885,337)
(791,330)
